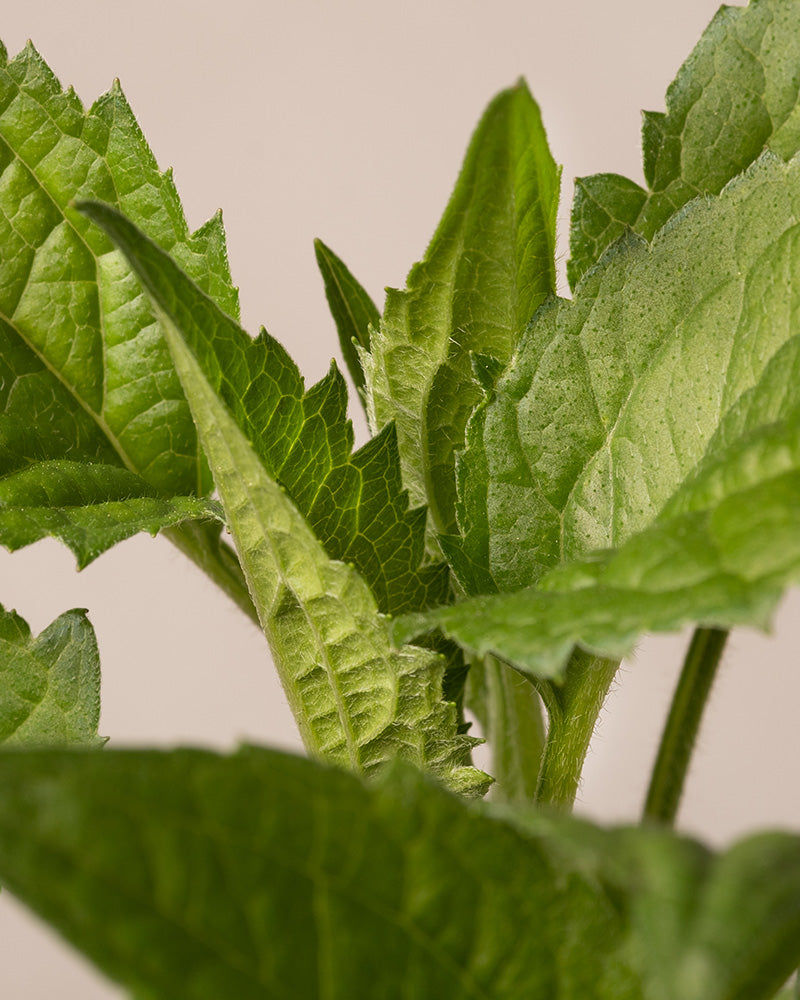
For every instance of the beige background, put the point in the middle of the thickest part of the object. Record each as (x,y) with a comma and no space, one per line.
(348,121)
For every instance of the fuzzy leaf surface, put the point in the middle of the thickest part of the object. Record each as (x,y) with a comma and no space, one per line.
(354,502)
(718,567)
(263,875)
(89,507)
(736,94)
(666,388)
(85,374)
(489,265)
(353,311)
(49,685)
(358,700)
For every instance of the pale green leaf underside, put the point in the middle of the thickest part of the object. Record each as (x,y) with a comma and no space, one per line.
(489,265)
(722,567)
(262,875)
(640,397)
(358,701)
(89,507)
(735,94)
(511,717)
(49,685)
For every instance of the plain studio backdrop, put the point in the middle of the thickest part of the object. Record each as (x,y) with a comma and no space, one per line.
(348,121)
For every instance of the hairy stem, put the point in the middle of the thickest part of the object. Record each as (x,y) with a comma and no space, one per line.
(683,724)
(573,710)
(201,542)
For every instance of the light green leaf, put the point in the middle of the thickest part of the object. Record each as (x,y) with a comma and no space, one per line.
(50,685)
(735,94)
(352,309)
(354,502)
(646,411)
(85,374)
(89,507)
(262,875)
(669,359)
(720,567)
(358,701)
(509,711)
(489,265)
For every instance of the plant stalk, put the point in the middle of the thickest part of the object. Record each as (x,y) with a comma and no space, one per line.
(682,725)
(201,542)
(573,710)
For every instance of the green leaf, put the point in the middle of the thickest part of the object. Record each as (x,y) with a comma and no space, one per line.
(667,388)
(87,506)
(354,503)
(352,309)
(489,265)
(509,710)
(85,374)
(720,567)
(668,357)
(261,875)
(735,94)
(358,700)
(50,685)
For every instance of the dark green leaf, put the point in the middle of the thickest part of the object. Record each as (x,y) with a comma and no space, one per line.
(353,310)
(358,701)
(189,875)
(354,503)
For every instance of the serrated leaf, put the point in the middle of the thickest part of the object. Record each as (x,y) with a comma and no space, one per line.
(358,701)
(85,374)
(489,265)
(670,356)
(668,386)
(263,875)
(735,94)
(718,567)
(352,309)
(89,507)
(50,685)
(354,502)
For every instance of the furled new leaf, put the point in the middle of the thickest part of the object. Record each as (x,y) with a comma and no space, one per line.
(353,311)
(667,388)
(357,699)
(85,375)
(261,875)
(489,265)
(89,507)
(50,685)
(735,94)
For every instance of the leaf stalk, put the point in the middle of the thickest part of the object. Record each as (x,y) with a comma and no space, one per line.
(683,724)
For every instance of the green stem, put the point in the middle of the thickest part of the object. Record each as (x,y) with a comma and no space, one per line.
(683,723)
(201,542)
(573,710)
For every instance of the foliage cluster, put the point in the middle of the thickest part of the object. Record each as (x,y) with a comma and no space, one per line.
(547,480)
